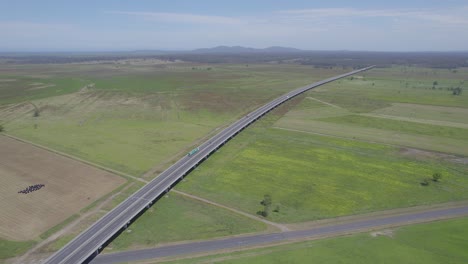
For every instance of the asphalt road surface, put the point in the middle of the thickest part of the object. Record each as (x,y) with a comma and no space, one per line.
(256,240)
(87,244)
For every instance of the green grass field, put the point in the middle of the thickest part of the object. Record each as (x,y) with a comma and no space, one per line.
(381,87)
(385,106)
(438,242)
(426,112)
(318,177)
(406,127)
(14,89)
(179,218)
(10,249)
(134,117)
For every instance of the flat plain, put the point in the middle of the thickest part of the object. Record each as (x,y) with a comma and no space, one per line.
(354,146)
(132,118)
(325,155)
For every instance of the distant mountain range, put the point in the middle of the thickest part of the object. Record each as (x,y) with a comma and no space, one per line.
(240,49)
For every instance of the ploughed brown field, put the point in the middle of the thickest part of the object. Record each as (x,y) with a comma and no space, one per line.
(69,187)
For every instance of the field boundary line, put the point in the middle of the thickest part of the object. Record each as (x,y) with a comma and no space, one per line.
(323,102)
(281,227)
(418,120)
(335,136)
(380,214)
(119,173)
(371,141)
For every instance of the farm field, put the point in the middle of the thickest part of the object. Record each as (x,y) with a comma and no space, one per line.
(138,119)
(382,87)
(318,177)
(437,123)
(132,118)
(438,242)
(329,168)
(69,187)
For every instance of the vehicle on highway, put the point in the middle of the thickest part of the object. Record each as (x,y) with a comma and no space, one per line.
(193,151)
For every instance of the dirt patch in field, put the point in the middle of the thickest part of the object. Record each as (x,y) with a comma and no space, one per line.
(69,186)
(424,155)
(216,102)
(36,87)
(386,232)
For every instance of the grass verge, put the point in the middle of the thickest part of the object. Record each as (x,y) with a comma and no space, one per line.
(178,218)
(438,242)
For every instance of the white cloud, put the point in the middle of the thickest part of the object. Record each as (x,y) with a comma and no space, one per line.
(182,18)
(452,17)
(324,28)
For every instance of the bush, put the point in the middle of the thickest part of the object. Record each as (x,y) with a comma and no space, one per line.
(436,176)
(425,182)
(277,209)
(263,213)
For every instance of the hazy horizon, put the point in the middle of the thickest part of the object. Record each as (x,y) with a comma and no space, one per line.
(109,26)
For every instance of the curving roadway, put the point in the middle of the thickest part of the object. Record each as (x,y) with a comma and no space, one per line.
(87,245)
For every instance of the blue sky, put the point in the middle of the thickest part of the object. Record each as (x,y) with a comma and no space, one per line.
(314,25)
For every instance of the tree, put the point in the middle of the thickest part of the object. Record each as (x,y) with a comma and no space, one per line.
(263,213)
(436,176)
(36,112)
(266,202)
(457,91)
(1,128)
(435,83)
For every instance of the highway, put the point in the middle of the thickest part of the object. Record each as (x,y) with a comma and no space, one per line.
(87,244)
(234,243)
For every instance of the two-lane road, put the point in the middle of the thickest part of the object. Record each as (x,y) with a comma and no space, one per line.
(90,241)
(234,243)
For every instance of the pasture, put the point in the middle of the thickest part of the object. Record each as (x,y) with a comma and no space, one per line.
(315,177)
(323,158)
(375,108)
(179,219)
(133,118)
(69,187)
